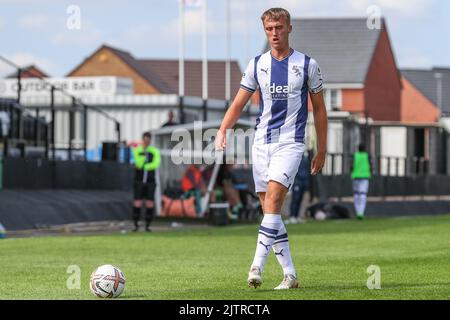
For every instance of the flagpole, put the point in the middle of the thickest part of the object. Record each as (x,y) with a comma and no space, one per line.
(205,61)
(247,56)
(247,43)
(181,60)
(228,60)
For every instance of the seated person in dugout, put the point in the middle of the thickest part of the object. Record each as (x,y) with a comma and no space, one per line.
(192,184)
(224,188)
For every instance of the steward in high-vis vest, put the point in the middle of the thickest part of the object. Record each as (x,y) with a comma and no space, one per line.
(146,160)
(361,173)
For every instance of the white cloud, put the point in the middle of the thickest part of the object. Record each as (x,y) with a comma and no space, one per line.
(163,36)
(193,21)
(55,28)
(411,8)
(337,8)
(25,2)
(34,21)
(87,35)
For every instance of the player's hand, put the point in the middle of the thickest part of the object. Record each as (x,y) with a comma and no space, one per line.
(318,162)
(220,142)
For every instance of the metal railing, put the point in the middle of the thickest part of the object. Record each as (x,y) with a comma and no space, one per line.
(21,129)
(341,164)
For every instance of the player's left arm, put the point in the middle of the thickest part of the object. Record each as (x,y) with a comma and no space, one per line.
(321,125)
(315,86)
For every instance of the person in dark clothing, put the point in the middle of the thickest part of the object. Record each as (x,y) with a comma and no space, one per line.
(146,160)
(192,184)
(225,189)
(171,121)
(302,183)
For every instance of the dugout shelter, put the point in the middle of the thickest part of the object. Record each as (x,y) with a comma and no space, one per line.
(183,144)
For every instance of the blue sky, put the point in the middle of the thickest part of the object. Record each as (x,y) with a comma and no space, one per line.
(34,31)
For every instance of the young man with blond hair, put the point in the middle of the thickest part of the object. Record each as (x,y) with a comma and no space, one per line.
(282,77)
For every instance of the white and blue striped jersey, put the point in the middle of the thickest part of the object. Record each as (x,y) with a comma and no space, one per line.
(283,87)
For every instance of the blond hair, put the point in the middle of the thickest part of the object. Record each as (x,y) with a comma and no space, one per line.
(276,14)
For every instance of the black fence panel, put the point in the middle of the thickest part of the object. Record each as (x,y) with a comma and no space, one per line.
(383,186)
(393,186)
(26,173)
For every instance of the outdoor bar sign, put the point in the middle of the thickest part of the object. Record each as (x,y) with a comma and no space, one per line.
(78,86)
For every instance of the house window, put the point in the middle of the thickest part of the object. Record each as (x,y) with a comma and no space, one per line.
(333,99)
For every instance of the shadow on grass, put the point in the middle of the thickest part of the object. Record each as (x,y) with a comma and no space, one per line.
(326,227)
(204,293)
(384,286)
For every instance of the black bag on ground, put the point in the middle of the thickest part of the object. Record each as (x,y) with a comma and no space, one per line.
(325,210)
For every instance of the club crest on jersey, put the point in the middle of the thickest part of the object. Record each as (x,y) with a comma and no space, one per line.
(297,71)
(278,92)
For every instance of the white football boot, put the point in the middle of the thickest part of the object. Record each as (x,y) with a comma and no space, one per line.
(289,282)
(254,277)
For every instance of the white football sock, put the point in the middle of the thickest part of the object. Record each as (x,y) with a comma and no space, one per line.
(360,200)
(363,201)
(282,252)
(357,203)
(267,233)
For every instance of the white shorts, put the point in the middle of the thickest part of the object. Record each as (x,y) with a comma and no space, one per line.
(276,161)
(360,186)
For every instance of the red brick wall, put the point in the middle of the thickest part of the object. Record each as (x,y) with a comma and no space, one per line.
(383,85)
(353,100)
(415,106)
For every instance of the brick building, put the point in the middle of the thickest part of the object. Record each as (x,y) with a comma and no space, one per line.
(30,71)
(158,76)
(358,64)
(428,89)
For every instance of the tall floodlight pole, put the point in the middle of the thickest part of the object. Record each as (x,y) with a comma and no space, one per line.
(246,50)
(228,60)
(205,61)
(181,61)
(246,33)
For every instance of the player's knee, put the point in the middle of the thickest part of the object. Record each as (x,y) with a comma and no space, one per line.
(137,203)
(273,199)
(149,204)
(274,195)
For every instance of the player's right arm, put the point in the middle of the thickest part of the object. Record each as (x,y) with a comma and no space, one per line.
(231,116)
(248,87)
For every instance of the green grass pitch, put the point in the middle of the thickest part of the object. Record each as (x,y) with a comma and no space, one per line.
(331,258)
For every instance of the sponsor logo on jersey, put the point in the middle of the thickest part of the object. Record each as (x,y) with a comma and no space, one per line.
(279,92)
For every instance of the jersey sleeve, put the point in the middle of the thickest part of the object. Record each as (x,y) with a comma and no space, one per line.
(248,81)
(315,80)
(156,160)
